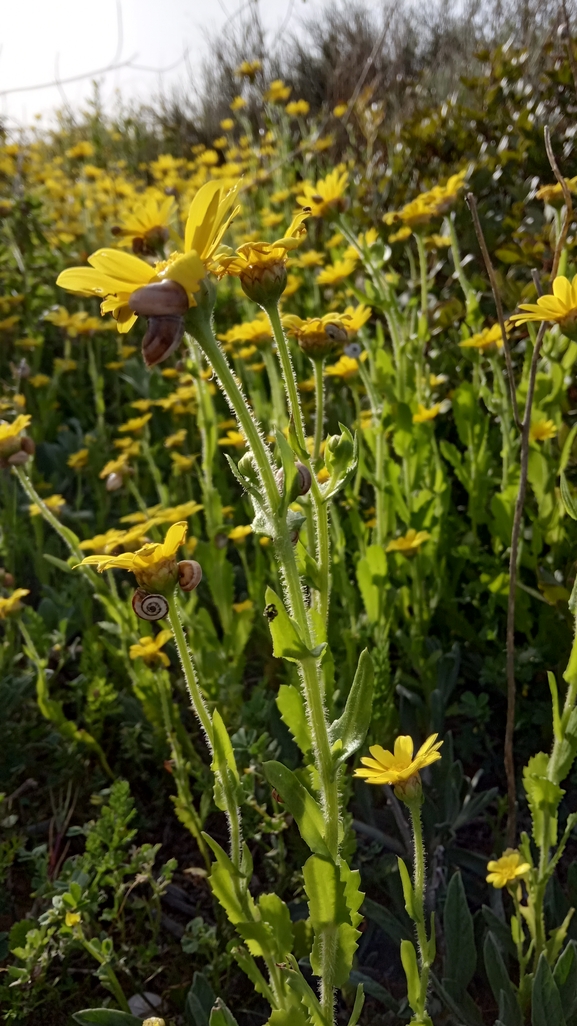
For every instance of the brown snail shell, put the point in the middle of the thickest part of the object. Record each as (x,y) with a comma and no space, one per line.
(28,445)
(159,299)
(149,606)
(18,458)
(303,479)
(336,333)
(163,336)
(189,574)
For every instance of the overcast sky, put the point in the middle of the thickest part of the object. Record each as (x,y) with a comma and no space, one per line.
(44,39)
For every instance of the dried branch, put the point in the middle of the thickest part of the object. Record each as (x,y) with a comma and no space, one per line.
(472,204)
(568,203)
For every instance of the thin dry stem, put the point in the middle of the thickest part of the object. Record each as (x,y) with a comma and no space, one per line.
(472,204)
(568,203)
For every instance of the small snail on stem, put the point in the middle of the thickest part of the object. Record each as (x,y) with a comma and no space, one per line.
(149,606)
(189,574)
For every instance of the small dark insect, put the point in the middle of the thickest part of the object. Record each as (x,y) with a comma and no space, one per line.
(277,796)
(270,611)
(307,210)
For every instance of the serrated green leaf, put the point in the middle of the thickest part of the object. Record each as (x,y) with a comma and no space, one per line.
(300,803)
(291,706)
(326,890)
(251,969)
(227,788)
(351,728)
(229,886)
(275,913)
(287,642)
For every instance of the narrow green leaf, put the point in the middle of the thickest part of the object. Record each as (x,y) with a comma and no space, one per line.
(409,960)
(327,891)
(566,450)
(221,1015)
(300,803)
(358,1005)
(546,1007)
(555,700)
(105,1017)
(352,727)
(408,892)
(60,563)
(460,948)
(568,500)
(499,977)
(565,976)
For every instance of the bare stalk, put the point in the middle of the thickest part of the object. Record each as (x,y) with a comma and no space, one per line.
(472,204)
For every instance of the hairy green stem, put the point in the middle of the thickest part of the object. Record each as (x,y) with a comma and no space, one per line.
(419,890)
(318,367)
(194,691)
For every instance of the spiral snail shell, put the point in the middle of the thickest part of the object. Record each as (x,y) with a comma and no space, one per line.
(149,606)
(189,574)
(302,481)
(159,299)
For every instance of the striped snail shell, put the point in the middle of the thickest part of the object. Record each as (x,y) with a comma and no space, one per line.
(149,606)
(189,574)
(163,336)
(159,299)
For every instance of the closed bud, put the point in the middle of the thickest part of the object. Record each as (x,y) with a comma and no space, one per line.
(264,285)
(247,468)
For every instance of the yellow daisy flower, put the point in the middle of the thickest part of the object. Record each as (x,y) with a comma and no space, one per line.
(277,92)
(298,108)
(401,765)
(233,438)
(338,272)
(408,543)
(149,648)
(146,227)
(430,204)
(113,276)
(489,338)
(560,308)
(55,504)
(238,534)
(423,414)
(12,604)
(346,367)
(541,430)
(10,434)
(78,460)
(262,265)
(154,565)
(508,869)
(327,195)
(135,423)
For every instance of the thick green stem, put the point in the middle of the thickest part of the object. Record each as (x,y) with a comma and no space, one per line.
(203,333)
(419,890)
(277,398)
(68,537)
(319,506)
(194,691)
(111,976)
(318,366)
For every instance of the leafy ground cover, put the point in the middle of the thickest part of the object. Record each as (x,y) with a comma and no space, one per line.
(399,423)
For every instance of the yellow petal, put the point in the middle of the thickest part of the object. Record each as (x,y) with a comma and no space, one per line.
(124,267)
(87,281)
(174,538)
